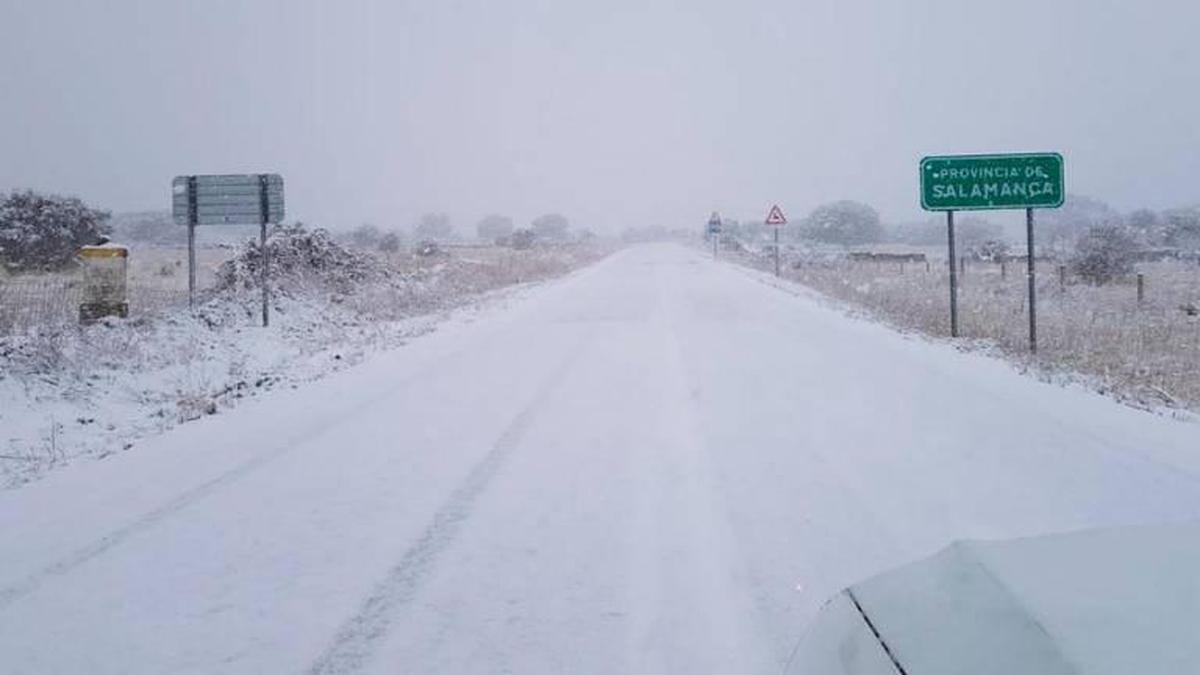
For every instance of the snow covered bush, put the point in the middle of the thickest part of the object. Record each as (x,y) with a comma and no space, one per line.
(845,222)
(1103,254)
(522,239)
(389,243)
(991,250)
(300,258)
(42,232)
(1182,227)
(551,227)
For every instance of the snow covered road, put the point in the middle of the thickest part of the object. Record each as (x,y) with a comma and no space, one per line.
(659,464)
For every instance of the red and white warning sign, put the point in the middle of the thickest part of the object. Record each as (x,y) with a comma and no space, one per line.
(775,217)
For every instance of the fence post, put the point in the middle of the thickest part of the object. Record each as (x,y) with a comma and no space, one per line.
(1141,287)
(1062,277)
(1003,270)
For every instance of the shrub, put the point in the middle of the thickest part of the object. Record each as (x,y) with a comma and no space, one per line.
(1104,253)
(45,231)
(845,222)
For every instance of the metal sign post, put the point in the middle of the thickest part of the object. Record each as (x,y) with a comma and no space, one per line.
(777,251)
(775,217)
(953,275)
(191,225)
(237,199)
(983,182)
(264,215)
(1031,272)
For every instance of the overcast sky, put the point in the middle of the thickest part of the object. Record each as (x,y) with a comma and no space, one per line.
(615,113)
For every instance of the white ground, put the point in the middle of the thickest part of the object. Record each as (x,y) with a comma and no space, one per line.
(658,464)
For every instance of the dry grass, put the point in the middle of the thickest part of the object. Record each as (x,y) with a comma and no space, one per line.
(435,282)
(1147,352)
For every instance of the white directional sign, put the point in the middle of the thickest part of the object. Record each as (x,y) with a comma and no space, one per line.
(775,217)
(239,199)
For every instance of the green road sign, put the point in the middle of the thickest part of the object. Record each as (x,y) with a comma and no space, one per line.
(977,182)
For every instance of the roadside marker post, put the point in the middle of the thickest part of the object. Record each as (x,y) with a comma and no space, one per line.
(236,199)
(776,218)
(988,182)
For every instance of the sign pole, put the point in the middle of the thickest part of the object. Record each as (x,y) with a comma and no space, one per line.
(192,217)
(776,250)
(953,276)
(1032,285)
(716,240)
(264,216)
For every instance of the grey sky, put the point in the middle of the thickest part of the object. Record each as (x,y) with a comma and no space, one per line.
(615,113)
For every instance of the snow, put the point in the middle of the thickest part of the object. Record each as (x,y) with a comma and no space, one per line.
(68,392)
(633,468)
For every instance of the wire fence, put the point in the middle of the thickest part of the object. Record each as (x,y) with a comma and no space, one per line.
(37,301)
(1139,333)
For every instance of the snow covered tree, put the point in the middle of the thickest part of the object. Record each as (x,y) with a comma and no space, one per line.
(1147,226)
(523,238)
(1077,216)
(1104,253)
(365,236)
(494,228)
(46,231)
(844,222)
(992,250)
(550,227)
(434,227)
(1182,227)
(389,243)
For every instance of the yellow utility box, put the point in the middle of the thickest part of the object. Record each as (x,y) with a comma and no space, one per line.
(105,270)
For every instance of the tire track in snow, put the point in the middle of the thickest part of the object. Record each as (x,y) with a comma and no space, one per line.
(322,427)
(354,643)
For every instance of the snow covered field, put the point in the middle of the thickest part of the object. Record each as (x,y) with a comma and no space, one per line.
(660,463)
(68,392)
(1144,353)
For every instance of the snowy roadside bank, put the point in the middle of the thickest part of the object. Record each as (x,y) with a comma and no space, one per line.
(1143,357)
(69,391)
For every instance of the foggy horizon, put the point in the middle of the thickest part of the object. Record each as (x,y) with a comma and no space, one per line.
(617,115)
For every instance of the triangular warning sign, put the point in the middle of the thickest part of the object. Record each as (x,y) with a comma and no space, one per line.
(775,217)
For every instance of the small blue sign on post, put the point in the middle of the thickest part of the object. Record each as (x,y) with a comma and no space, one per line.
(714,224)
(714,231)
